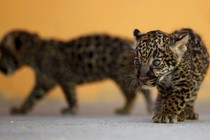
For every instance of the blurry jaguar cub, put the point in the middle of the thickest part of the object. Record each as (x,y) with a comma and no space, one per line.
(176,64)
(68,64)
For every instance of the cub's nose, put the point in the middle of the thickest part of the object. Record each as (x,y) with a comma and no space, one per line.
(143,78)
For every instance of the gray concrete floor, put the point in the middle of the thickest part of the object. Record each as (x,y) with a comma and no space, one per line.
(96,121)
(111,127)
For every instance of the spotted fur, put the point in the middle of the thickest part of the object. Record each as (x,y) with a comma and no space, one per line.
(176,64)
(68,64)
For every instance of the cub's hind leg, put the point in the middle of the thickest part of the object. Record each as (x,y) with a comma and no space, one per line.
(129,103)
(129,95)
(189,108)
(148,98)
(70,96)
(42,86)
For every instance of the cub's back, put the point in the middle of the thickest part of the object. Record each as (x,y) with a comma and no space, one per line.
(198,51)
(98,55)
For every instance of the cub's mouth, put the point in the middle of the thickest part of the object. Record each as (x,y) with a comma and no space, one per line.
(147,81)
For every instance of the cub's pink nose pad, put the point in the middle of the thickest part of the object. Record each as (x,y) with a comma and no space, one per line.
(142,80)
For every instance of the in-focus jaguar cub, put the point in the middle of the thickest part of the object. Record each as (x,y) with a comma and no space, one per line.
(68,64)
(176,64)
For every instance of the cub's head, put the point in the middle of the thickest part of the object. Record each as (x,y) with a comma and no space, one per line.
(12,49)
(157,54)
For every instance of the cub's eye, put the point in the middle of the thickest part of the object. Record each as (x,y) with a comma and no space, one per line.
(156,62)
(136,62)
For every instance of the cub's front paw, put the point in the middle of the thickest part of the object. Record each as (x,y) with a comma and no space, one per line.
(69,111)
(164,118)
(192,116)
(17,111)
(182,116)
(122,111)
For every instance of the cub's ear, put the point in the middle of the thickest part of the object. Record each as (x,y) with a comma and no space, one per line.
(18,42)
(8,43)
(13,44)
(137,34)
(180,45)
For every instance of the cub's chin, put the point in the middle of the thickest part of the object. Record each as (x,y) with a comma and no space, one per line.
(147,86)
(148,83)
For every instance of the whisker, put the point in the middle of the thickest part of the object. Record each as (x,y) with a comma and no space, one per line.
(123,75)
(131,85)
(128,67)
(128,79)
(127,64)
(131,49)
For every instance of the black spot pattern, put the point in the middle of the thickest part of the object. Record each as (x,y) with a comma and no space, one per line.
(180,74)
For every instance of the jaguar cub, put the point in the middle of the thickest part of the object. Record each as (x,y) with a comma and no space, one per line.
(68,64)
(176,64)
